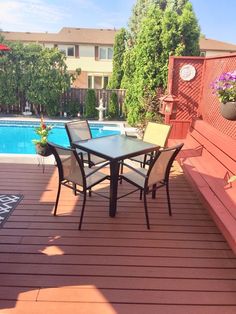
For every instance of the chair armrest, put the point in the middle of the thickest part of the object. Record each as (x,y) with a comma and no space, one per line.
(129,134)
(134,169)
(97,168)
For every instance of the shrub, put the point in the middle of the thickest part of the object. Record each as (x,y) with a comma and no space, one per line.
(73,107)
(90,104)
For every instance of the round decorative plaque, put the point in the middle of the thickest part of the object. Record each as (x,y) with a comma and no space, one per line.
(187,72)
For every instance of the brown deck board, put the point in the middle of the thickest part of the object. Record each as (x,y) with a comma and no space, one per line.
(113,265)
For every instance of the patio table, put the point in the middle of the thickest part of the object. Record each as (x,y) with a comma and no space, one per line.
(115,148)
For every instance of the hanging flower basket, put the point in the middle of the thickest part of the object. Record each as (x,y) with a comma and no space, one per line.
(41,146)
(43,150)
(225,89)
(228,110)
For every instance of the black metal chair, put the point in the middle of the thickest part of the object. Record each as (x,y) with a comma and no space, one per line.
(74,175)
(153,178)
(78,130)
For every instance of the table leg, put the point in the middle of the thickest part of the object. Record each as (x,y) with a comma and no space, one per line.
(114,171)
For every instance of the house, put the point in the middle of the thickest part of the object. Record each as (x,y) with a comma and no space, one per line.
(211,47)
(91,50)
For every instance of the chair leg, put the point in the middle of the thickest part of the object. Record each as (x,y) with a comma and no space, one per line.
(90,192)
(82,211)
(57,199)
(154,191)
(144,161)
(146,209)
(121,171)
(141,194)
(74,186)
(168,198)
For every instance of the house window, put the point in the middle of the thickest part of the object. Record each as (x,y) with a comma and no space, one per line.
(105,81)
(110,53)
(97,81)
(202,53)
(69,51)
(102,53)
(105,53)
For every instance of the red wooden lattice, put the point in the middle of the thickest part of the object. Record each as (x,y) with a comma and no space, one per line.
(195,96)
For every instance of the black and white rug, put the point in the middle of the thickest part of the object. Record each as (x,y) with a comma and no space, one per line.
(8,203)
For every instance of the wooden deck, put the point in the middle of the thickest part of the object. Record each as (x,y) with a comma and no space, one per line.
(114,265)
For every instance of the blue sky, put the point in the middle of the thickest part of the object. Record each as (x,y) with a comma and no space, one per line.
(216,17)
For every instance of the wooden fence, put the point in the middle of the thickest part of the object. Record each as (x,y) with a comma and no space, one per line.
(76,95)
(79,94)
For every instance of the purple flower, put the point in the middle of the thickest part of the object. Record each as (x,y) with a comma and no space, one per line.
(225,87)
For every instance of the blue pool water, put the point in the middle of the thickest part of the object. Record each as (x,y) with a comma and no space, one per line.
(16,136)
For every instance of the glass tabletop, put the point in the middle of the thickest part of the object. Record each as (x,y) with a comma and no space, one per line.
(115,147)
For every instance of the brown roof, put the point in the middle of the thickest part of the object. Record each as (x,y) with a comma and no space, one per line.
(211,44)
(66,35)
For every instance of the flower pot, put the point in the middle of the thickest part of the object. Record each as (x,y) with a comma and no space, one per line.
(43,150)
(228,110)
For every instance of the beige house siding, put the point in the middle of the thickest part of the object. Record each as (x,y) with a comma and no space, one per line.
(85,43)
(89,64)
(211,47)
(212,53)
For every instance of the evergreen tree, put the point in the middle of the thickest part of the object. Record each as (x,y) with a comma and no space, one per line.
(147,64)
(189,30)
(118,57)
(163,28)
(139,11)
(113,107)
(171,41)
(90,104)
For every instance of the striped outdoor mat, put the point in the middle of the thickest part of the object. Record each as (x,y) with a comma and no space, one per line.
(8,203)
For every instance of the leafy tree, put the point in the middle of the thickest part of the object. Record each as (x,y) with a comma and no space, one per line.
(90,104)
(34,74)
(49,81)
(118,57)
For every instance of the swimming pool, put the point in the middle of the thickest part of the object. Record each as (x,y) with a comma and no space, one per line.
(16,136)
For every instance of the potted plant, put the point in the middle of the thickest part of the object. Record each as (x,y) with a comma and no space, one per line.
(225,89)
(41,143)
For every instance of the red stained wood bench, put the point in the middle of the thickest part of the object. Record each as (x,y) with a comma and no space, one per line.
(208,159)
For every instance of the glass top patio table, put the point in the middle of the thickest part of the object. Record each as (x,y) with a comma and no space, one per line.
(115,148)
